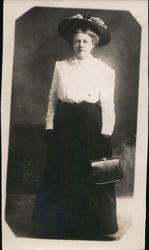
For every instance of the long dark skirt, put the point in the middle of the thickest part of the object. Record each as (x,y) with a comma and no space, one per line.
(68,203)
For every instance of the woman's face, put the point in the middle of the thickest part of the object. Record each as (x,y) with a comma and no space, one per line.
(82,45)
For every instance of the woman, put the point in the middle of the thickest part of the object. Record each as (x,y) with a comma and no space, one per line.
(79,122)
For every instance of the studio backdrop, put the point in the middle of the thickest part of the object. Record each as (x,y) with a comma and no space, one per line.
(37,47)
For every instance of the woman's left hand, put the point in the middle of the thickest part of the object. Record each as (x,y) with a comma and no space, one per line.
(106,136)
(106,146)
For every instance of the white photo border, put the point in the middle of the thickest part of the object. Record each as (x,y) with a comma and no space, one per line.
(12,10)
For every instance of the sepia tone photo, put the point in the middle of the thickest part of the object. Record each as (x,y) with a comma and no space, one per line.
(73,124)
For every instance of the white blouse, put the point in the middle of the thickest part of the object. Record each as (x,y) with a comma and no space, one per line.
(89,80)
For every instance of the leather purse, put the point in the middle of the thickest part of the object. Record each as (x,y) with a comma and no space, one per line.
(106,170)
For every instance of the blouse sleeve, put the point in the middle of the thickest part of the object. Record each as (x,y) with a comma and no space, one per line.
(107,102)
(52,101)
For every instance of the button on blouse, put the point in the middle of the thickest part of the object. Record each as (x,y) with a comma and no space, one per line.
(90,80)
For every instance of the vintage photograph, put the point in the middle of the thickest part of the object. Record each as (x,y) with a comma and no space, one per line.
(73,124)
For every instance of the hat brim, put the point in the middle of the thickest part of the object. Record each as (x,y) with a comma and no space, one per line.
(68,27)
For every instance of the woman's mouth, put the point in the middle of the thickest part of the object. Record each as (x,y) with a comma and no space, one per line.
(81,49)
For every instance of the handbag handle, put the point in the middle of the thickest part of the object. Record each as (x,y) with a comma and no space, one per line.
(104,159)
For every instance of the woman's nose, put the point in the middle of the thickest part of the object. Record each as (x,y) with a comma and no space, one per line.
(81,43)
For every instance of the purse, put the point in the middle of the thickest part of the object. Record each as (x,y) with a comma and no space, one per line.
(106,170)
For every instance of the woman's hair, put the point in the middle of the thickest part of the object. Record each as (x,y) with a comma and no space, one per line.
(95,38)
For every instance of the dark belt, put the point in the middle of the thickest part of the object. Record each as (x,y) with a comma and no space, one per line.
(84,103)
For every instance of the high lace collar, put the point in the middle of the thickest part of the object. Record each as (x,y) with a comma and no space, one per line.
(76,61)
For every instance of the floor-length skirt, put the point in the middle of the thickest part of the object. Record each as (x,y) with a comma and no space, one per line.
(68,202)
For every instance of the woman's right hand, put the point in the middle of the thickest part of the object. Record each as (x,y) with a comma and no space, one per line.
(49,134)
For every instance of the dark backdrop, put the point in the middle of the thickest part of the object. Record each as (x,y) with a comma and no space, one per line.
(37,47)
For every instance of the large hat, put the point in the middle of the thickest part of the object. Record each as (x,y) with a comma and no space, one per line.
(68,27)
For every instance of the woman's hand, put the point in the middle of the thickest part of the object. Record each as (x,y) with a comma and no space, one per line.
(106,136)
(50,141)
(106,146)
(49,134)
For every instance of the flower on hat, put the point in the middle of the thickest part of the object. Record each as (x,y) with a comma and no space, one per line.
(98,21)
(90,18)
(77,16)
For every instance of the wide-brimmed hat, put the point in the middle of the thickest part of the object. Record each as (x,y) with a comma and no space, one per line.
(68,27)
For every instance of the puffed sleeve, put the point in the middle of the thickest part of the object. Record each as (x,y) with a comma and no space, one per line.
(52,101)
(107,102)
